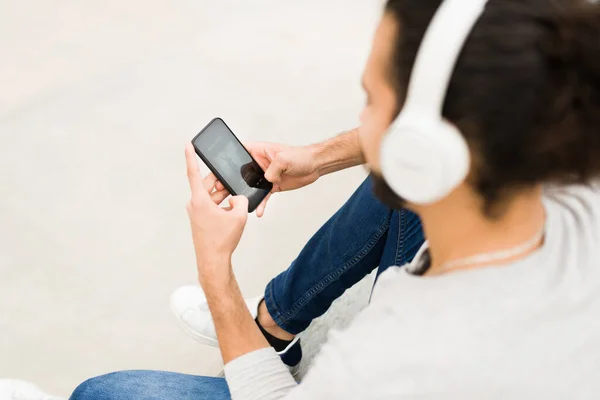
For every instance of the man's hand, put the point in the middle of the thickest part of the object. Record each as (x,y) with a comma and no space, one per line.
(286,167)
(290,168)
(216,231)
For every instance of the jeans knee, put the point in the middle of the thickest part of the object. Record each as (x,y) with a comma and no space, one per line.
(98,388)
(80,391)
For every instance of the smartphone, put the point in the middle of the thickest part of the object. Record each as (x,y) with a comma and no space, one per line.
(233,165)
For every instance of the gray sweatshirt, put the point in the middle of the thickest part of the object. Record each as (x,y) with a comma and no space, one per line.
(527,330)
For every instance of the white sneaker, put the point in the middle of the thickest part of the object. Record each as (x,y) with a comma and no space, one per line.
(191,309)
(12,389)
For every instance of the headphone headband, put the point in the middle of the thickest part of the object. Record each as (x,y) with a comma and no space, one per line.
(423,157)
(436,59)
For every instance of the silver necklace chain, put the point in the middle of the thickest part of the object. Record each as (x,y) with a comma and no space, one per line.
(486,258)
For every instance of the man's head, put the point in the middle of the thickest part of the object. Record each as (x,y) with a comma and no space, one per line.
(510,96)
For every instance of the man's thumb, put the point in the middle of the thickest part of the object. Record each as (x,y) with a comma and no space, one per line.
(274,172)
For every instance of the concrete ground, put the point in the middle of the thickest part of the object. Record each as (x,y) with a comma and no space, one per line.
(96,102)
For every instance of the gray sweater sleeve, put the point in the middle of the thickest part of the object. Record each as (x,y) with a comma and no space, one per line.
(260,375)
(348,366)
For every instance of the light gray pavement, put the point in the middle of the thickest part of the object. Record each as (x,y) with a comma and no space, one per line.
(96,102)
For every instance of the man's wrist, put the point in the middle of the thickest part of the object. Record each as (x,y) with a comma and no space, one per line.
(319,151)
(340,152)
(214,269)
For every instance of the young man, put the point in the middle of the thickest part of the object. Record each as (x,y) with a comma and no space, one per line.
(504,299)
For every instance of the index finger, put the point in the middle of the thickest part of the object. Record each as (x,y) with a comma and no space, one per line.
(193,173)
(259,153)
(250,146)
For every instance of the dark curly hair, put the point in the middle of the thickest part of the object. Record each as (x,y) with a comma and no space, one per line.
(525,92)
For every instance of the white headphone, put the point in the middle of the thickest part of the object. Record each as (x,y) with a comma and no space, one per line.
(423,157)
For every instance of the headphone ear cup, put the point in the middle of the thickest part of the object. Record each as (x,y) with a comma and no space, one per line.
(423,163)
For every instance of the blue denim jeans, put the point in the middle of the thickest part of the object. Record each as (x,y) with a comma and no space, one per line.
(152,385)
(361,236)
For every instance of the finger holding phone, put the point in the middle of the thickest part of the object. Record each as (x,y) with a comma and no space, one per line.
(216,231)
(256,170)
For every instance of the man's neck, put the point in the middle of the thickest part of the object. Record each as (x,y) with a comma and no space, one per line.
(456,228)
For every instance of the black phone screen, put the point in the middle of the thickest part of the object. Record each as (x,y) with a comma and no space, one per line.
(230,161)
